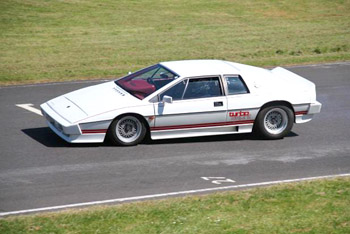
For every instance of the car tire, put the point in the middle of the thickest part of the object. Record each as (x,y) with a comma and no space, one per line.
(274,122)
(127,130)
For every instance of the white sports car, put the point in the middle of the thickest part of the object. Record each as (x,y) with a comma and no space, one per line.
(185,99)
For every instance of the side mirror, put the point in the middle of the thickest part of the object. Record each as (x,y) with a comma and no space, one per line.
(167,99)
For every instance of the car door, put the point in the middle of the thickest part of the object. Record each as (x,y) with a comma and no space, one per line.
(198,107)
(241,104)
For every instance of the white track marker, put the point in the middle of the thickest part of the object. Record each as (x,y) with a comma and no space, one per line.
(162,195)
(29,107)
(218,180)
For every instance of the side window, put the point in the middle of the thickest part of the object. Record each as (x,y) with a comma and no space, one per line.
(203,87)
(235,85)
(176,92)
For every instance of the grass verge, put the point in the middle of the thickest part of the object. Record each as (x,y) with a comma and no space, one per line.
(309,207)
(61,40)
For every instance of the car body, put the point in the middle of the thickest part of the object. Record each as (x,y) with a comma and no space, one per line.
(186,98)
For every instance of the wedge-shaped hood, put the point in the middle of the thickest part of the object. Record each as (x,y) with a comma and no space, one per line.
(91,101)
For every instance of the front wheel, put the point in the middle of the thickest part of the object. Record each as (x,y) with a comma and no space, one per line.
(127,130)
(274,122)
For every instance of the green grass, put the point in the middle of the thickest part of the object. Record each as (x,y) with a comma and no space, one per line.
(309,207)
(51,40)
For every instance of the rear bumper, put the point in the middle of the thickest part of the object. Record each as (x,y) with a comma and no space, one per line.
(306,116)
(315,108)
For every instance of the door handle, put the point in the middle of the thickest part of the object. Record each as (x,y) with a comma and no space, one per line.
(218,104)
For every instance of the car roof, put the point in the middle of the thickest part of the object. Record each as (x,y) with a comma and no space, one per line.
(187,68)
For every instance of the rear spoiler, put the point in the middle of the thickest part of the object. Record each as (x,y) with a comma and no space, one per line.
(291,77)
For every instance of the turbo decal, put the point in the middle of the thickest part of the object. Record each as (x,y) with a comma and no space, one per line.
(239,113)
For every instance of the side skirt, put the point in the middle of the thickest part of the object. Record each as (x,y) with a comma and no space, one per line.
(172,132)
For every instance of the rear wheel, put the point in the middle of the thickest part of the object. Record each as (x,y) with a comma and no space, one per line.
(127,130)
(274,122)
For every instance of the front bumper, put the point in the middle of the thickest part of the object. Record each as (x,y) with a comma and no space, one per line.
(71,133)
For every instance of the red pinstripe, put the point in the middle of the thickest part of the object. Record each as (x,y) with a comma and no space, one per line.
(300,112)
(186,126)
(92,131)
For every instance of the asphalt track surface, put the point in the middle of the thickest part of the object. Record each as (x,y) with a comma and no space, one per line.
(38,169)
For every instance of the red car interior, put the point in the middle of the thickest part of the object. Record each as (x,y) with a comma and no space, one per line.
(139,88)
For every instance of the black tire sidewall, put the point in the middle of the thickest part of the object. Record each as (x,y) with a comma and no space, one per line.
(116,141)
(260,128)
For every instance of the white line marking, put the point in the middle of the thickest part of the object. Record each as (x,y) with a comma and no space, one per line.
(218,180)
(56,83)
(317,65)
(208,178)
(52,208)
(29,107)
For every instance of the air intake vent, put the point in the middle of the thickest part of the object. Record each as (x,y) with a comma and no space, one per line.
(119,91)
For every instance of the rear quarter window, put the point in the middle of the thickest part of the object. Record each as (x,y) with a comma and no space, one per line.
(235,85)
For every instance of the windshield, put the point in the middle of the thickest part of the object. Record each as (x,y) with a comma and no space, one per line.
(146,81)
